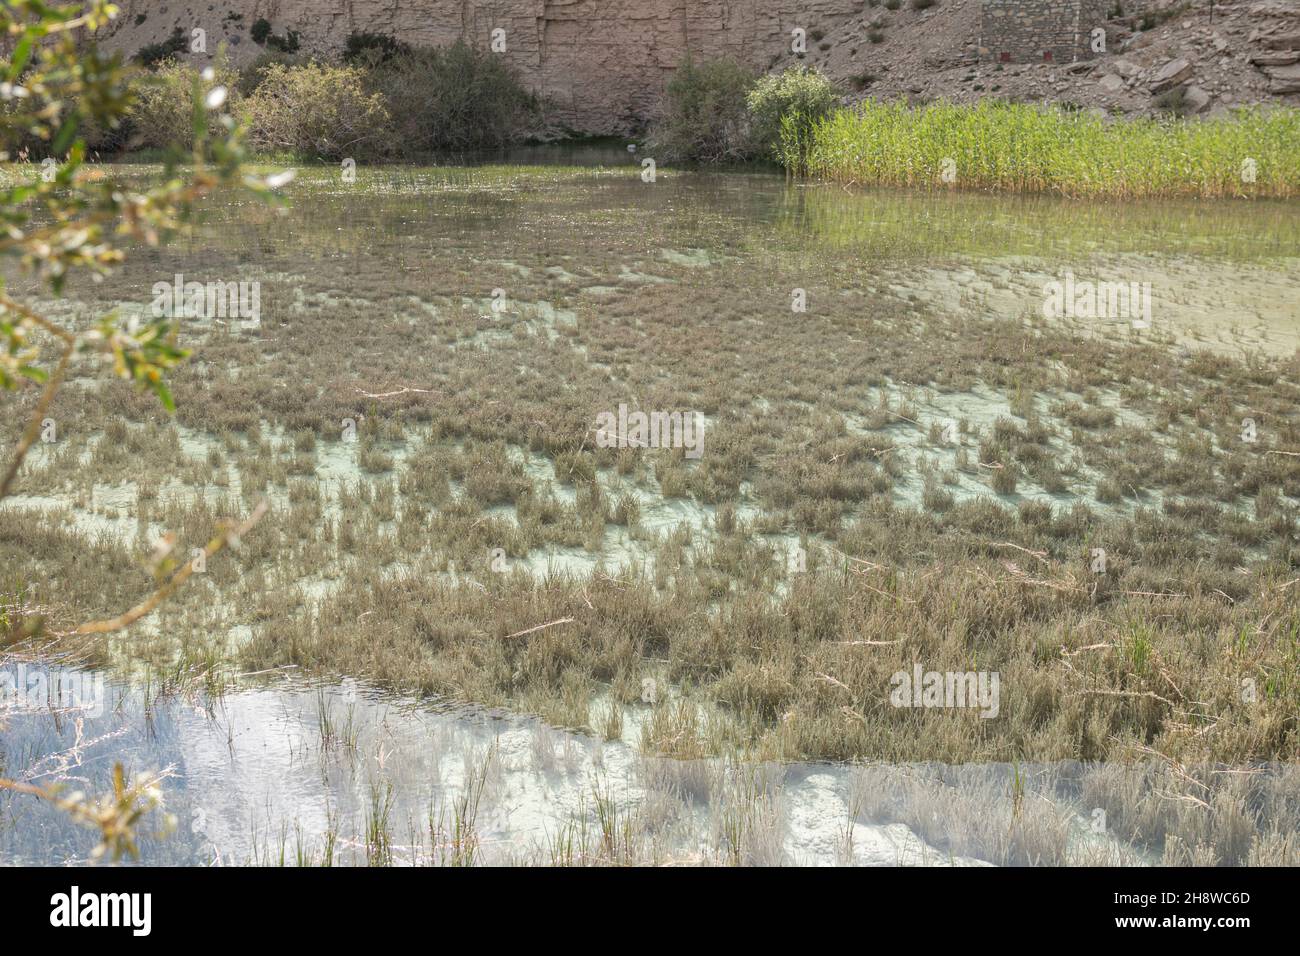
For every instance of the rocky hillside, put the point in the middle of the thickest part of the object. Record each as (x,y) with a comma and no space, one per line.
(602,64)
(1160,55)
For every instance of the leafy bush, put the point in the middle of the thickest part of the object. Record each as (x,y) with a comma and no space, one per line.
(318,110)
(252,75)
(785,107)
(448,98)
(285,44)
(705,118)
(388,99)
(155,53)
(162,115)
(719,112)
(262,36)
(383,46)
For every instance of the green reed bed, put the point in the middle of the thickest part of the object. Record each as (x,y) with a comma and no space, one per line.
(1023,148)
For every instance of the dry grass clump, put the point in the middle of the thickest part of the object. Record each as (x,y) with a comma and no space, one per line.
(1121,813)
(1201,814)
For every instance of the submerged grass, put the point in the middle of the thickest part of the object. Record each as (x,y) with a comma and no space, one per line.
(417,554)
(995,145)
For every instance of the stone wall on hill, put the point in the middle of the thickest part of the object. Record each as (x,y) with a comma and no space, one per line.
(1028,31)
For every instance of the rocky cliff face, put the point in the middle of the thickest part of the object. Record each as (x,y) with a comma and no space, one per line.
(602,63)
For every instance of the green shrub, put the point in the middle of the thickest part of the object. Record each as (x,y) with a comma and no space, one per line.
(262,36)
(162,116)
(705,118)
(155,53)
(252,75)
(785,107)
(285,44)
(158,114)
(317,110)
(448,98)
(385,47)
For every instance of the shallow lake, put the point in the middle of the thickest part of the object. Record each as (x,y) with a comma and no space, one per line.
(417,315)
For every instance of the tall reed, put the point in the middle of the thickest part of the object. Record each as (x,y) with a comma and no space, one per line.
(1005,146)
